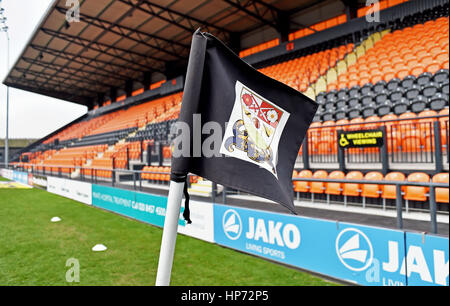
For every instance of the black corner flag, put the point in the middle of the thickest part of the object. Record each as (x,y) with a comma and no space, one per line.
(263,123)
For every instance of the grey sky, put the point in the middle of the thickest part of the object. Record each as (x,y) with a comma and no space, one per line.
(30,115)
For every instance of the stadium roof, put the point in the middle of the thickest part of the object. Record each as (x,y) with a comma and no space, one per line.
(119,42)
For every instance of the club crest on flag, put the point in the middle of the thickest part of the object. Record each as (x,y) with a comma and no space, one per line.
(254,129)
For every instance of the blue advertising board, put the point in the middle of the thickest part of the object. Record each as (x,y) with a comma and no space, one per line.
(427,260)
(140,206)
(364,255)
(21,177)
(360,254)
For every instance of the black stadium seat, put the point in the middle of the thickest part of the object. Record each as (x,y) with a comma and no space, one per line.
(354,112)
(352,102)
(424,78)
(354,91)
(379,87)
(369,110)
(329,105)
(342,94)
(341,113)
(321,98)
(412,92)
(419,104)
(366,89)
(384,108)
(438,102)
(393,84)
(341,103)
(430,89)
(367,99)
(441,76)
(328,115)
(331,95)
(445,88)
(401,106)
(396,95)
(381,96)
(408,82)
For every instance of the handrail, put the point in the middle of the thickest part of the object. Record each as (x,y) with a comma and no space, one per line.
(377,122)
(397,184)
(369,182)
(399,199)
(294,179)
(84,168)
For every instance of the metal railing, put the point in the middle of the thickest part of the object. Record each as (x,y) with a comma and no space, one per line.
(399,199)
(136,176)
(418,140)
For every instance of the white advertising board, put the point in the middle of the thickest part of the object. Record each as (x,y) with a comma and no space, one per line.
(202,216)
(75,190)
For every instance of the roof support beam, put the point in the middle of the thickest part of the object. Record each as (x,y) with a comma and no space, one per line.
(242,8)
(351,8)
(55,83)
(129,87)
(70,72)
(117,52)
(86,61)
(113,94)
(155,10)
(31,87)
(147,80)
(125,32)
(59,91)
(281,19)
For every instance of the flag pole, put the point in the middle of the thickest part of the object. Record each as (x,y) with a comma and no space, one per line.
(169,237)
(178,179)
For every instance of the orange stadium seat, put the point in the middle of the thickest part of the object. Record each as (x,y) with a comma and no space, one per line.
(353,189)
(372,190)
(318,187)
(410,135)
(426,129)
(389,191)
(417,193)
(335,188)
(393,135)
(442,194)
(444,125)
(409,52)
(300,186)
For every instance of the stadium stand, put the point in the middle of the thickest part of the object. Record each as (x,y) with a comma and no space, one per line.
(393,77)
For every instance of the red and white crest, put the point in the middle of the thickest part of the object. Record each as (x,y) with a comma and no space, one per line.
(254,128)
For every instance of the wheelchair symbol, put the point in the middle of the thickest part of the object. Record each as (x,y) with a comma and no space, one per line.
(343,142)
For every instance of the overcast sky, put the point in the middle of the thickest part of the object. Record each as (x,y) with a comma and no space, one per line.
(30,115)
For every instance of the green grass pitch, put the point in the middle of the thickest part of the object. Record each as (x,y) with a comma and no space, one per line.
(34,251)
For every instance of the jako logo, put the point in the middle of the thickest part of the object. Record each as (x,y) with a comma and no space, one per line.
(273,233)
(354,249)
(232,224)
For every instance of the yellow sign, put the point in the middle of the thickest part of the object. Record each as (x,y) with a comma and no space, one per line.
(361,139)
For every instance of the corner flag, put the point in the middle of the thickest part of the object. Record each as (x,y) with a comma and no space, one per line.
(264,125)
(267,121)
